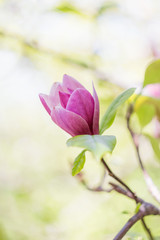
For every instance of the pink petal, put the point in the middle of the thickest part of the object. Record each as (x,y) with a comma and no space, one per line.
(82,103)
(64,98)
(70,83)
(152,90)
(47,102)
(96,113)
(70,121)
(54,92)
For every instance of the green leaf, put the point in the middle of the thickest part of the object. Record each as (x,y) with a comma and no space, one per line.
(98,145)
(152,74)
(145,100)
(125,212)
(145,113)
(78,163)
(155,145)
(137,207)
(110,114)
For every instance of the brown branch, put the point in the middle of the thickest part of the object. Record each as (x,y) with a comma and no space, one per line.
(146,209)
(99,188)
(119,189)
(111,174)
(131,192)
(127,226)
(122,191)
(135,137)
(147,229)
(153,210)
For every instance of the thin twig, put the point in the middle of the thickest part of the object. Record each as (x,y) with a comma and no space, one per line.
(127,226)
(131,192)
(145,209)
(114,187)
(111,174)
(149,182)
(124,192)
(128,194)
(146,228)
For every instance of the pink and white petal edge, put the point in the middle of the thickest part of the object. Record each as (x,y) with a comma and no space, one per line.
(71,83)
(45,101)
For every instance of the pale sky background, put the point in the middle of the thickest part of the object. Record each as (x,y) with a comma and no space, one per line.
(32,148)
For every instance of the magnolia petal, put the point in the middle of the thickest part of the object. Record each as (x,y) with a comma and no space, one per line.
(71,83)
(64,98)
(70,121)
(96,113)
(47,102)
(81,102)
(152,90)
(54,92)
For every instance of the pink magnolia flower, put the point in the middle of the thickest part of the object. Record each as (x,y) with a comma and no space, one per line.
(72,107)
(152,90)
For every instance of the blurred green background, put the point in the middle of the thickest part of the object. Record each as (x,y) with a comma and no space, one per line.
(107,42)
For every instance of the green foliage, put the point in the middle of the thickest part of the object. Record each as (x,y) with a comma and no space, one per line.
(152,74)
(78,163)
(3,235)
(110,114)
(145,114)
(105,7)
(67,7)
(143,103)
(98,145)
(125,212)
(155,145)
(137,207)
